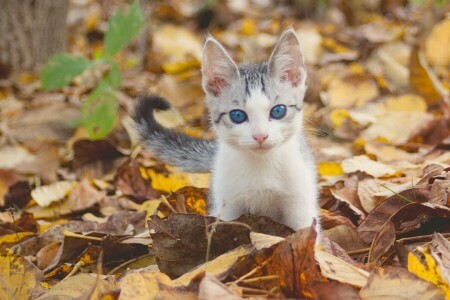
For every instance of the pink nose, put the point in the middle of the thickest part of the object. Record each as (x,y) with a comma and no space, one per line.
(260,138)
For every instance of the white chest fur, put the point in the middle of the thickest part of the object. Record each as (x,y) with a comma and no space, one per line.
(279,184)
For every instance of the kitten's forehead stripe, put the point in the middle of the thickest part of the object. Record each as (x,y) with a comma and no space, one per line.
(254,77)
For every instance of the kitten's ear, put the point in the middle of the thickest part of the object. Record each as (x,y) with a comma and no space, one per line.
(286,62)
(218,69)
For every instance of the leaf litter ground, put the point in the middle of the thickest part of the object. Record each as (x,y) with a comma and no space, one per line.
(102,218)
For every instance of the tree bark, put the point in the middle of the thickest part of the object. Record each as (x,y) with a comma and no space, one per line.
(31,31)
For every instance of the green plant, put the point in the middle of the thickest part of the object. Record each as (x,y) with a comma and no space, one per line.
(100,108)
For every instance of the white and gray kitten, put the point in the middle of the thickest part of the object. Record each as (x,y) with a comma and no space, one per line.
(261,162)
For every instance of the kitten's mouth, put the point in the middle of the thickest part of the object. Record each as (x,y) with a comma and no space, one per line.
(262,148)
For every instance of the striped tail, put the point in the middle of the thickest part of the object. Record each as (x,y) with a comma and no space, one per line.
(174,148)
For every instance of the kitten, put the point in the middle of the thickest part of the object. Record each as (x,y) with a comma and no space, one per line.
(261,162)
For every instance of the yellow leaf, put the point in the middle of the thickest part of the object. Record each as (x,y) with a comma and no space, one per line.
(329,169)
(338,116)
(428,269)
(216,266)
(406,102)
(13,238)
(167,183)
(18,276)
(423,79)
(175,43)
(180,66)
(352,91)
(248,27)
(437,44)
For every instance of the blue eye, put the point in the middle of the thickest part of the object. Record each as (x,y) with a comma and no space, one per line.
(238,116)
(278,112)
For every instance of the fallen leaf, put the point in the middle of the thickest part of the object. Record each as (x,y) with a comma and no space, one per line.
(182,241)
(397,127)
(78,286)
(383,212)
(45,195)
(11,157)
(351,92)
(437,44)
(261,240)
(211,288)
(131,183)
(398,283)
(382,242)
(345,236)
(363,163)
(218,266)
(329,169)
(142,284)
(337,269)
(424,80)
(18,277)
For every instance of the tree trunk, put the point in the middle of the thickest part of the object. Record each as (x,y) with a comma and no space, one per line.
(31,31)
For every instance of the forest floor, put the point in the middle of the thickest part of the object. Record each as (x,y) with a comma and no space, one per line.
(102,218)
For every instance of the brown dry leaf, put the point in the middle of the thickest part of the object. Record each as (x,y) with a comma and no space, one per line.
(18,195)
(79,286)
(370,226)
(46,255)
(18,277)
(335,290)
(382,242)
(186,200)
(211,288)
(84,195)
(293,262)
(397,283)
(7,179)
(46,122)
(345,236)
(181,242)
(88,151)
(442,247)
(142,284)
(46,195)
(218,266)
(131,183)
(45,163)
(337,269)
(363,163)
(372,192)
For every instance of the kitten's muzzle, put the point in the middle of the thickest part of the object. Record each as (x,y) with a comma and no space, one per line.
(260,138)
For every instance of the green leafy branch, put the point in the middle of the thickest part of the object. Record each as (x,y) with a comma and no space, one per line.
(99,110)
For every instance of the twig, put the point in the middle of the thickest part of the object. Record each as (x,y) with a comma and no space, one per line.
(166,203)
(256,269)
(253,290)
(262,278)
(403,240)
(80,236)
(75,269)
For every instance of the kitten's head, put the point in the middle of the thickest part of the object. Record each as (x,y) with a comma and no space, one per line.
(255,107)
